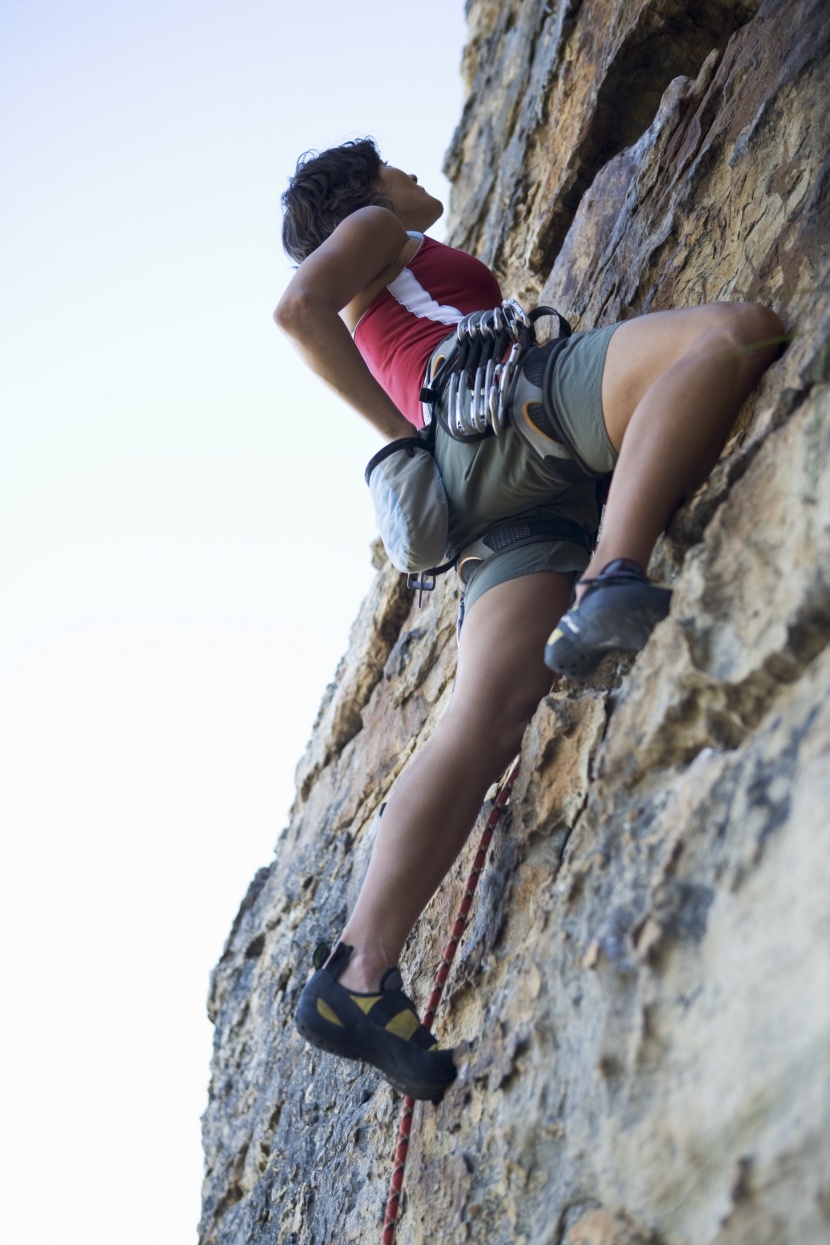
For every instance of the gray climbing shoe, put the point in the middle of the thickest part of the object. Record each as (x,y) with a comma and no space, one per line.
(619,610)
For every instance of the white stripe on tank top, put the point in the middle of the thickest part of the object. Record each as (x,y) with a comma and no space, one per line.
(408,291)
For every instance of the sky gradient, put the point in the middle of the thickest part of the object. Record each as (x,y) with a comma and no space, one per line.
(184,542)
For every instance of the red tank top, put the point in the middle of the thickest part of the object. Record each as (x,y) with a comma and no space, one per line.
(401,328)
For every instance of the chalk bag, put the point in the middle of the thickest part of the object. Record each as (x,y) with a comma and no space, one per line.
(410,503)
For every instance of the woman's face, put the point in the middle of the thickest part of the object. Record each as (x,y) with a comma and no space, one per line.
(414,208)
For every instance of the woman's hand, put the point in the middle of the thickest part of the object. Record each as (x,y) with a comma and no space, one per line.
(366,250)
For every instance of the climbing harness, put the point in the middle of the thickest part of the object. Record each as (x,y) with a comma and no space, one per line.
(493,374)
(405,1128)
(510,533)
(470,391)
(412,514)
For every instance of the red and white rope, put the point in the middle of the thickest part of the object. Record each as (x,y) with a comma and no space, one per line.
(405,1127)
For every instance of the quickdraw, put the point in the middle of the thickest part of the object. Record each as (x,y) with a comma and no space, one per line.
(479,371)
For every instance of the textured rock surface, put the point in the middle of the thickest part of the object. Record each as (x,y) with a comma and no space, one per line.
(643,996)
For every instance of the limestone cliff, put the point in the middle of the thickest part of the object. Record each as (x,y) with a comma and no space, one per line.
(642,1001)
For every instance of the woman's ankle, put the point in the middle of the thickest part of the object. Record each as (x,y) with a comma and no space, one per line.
(616,566)
(365,967)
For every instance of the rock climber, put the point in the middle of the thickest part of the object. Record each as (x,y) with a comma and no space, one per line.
(372,308)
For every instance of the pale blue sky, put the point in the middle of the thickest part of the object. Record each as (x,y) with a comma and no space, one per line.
(184,535)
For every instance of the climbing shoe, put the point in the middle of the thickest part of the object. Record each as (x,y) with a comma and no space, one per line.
(619,610)
(381,1029)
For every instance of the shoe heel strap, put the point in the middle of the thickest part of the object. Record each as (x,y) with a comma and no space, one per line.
(333,961)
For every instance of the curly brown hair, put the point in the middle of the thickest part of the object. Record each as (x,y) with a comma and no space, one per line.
(326,188)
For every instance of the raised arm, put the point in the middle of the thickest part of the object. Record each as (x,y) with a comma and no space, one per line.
(362,254)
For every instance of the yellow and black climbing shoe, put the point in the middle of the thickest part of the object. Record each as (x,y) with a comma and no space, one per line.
(619,610)
(381,1029)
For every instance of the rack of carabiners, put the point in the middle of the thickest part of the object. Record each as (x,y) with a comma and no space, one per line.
(479,371)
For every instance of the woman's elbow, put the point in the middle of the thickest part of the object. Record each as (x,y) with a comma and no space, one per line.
(298,313)
(288,314)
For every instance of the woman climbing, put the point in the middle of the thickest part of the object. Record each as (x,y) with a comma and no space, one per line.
(372,308)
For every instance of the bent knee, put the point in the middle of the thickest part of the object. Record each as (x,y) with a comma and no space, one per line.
(496,729)
(750,324)
(750,332)
(756,324)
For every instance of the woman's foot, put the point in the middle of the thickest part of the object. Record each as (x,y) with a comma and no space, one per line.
(380,1028)
(617,610)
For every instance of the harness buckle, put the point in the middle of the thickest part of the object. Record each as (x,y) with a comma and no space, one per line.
(423,581)
(467,565)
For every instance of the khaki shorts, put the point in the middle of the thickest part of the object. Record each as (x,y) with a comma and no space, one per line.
(500,477)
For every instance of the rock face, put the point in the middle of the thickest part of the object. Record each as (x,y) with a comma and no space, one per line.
(642,1000)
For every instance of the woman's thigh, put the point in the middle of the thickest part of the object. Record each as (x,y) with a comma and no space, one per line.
(642,349)
(501,674)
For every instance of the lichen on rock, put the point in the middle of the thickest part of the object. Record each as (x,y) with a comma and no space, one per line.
(642,1000)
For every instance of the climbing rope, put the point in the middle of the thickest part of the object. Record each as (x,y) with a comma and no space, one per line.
(405,1128)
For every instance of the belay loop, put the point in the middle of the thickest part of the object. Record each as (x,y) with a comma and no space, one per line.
(479,371)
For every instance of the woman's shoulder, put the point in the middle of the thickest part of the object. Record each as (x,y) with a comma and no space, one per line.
(406,247)
(373,226)
(362,253)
